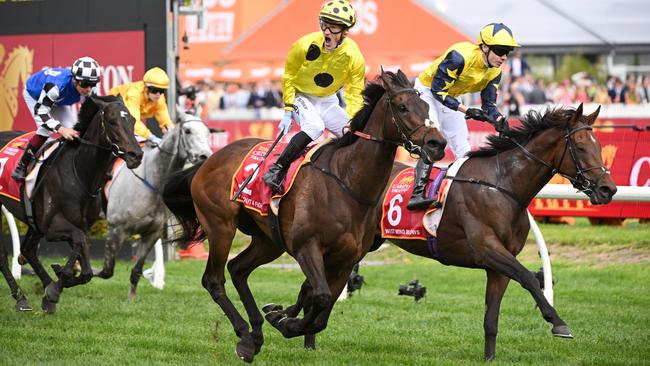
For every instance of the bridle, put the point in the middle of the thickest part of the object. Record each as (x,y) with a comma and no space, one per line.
(405,131)
(181,144)
(112,146)
(580,182)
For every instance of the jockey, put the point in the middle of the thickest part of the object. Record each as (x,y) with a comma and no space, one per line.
(463,68)
(50,95)
(317,66)
(145,99)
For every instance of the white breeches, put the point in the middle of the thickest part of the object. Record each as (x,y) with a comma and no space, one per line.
(315,114)
(452,123)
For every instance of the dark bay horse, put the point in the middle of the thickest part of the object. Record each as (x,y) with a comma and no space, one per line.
(485,227)
(63,203)
(327,220)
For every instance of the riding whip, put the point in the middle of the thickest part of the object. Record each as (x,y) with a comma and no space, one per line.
(250,177)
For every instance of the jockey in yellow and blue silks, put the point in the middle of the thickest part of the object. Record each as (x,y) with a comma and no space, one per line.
(318,65)
(463,68)
(146,99)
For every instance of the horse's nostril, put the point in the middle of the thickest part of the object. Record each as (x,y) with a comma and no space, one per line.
(203,157)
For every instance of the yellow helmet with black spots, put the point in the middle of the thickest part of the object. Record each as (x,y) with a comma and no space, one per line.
(157,78)
(497,34)
(338,11)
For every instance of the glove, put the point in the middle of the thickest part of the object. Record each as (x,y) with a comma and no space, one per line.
(477,114)
(285,123)
(501,124)
(155,140)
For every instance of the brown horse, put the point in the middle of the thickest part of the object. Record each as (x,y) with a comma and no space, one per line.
(63,201)
(326,243)
(484,223)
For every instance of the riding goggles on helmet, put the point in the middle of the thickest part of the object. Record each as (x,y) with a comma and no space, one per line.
(154,90)
(333,28)
(87,84)
(501,50)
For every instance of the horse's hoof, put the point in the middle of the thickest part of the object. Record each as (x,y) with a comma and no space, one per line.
(101,273)
(131,296)
(48,307)
(244,352)
(562,331)
(490,357)
(310,341)
(52,292)
(271,307)
(23,305)
(274,317)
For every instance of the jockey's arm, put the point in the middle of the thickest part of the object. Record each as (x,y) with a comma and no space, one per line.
(162,115)
(43,108)
(294,60)
(355,85)
(489,99)
(448,72)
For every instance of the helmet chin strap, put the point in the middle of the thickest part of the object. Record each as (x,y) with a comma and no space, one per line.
(487,55)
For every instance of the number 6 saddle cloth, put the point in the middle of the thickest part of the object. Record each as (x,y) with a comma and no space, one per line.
(257,195)
(398,222)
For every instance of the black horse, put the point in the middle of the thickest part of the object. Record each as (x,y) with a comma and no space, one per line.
(64,203)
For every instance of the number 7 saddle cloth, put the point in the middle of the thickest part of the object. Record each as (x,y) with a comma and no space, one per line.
(398,222)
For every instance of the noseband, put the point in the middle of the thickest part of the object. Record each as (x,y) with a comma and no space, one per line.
(580,181)
(113,147)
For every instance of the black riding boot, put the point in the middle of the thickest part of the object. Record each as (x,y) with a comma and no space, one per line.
(21,169)
(418,200)
(275,175)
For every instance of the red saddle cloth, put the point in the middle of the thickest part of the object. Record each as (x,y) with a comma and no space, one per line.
(9,158)
(257,195)
(397,221)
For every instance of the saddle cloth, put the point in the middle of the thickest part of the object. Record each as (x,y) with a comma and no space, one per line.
(257,195)
(10,156)
(398,222)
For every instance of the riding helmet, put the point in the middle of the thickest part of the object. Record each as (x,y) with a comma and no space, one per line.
(497,34)
(86,69)
(339,12)
(157,78)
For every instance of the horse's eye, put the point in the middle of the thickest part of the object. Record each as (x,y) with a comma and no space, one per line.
(187,131)
(402,108)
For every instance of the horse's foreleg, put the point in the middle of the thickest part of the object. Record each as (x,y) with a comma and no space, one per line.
(21,301)
(28,250)
(337,281)
(146,244)
(259,252)
(494,290)
(81,247)
(116,237)
(503,262)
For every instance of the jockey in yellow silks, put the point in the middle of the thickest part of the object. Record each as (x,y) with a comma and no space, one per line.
(145,99)
(464,68)
(318,65)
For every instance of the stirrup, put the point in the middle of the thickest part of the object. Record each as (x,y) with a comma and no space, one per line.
(274,177)
(419,203)
(19,174)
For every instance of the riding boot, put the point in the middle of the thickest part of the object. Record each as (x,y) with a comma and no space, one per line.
(419,200)
(21,169)
(275,175)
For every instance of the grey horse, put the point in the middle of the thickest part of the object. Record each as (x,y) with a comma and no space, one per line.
(134,196)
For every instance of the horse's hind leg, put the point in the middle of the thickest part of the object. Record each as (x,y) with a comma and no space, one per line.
(503,262)
(494,290)
(116,237)
(21,301)
(260,251)
(146,244)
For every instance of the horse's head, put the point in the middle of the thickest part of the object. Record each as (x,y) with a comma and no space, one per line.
(117,126)
(410,118)
(192,139)
(585,168)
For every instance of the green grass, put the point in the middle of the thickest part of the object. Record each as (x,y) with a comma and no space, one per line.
(605,305)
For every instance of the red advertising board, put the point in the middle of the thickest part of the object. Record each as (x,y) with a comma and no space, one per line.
(120,55)
(624,150)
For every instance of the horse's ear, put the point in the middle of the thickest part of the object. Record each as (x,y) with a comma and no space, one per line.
(577,114)
(98,102)
(401,74)
(386,79)
(590,119)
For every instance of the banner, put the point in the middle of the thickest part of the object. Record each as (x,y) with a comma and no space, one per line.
(626,151)
(23,55)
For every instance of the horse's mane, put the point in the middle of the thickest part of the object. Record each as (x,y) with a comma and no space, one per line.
(532,124)
(89,109)
(371,95)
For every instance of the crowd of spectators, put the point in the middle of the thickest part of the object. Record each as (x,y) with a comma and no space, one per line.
(519,87)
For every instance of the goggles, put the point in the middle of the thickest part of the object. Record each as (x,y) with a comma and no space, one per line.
(154,90)
(333,28)
(87,84)
(501,50)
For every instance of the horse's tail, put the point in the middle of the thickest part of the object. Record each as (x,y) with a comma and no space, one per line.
(178,198)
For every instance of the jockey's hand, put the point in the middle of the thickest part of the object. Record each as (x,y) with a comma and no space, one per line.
(68,133)
(501,124)
(155,140)
(285,123)
(477,114)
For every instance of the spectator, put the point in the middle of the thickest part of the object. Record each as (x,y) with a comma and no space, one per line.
(538,94)
(518,65)
(617,92)
(644,90)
